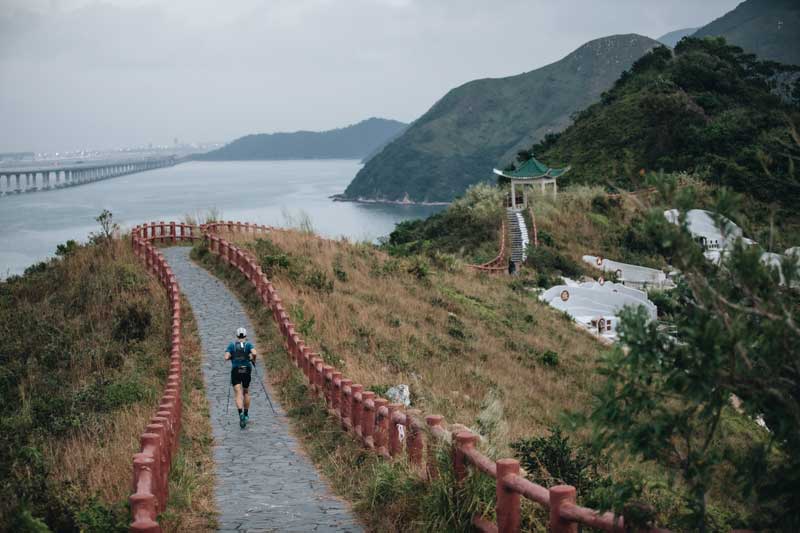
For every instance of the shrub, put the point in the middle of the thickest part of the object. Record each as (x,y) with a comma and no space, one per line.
(553,460)
(131,322)
(318,280)
(549,358)
(68,248)
(419,268)
(340,273)
(547,259)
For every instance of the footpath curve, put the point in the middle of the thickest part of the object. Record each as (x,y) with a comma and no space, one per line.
(263,484)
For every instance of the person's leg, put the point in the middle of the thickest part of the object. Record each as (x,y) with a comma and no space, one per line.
(238,390)
(246,392)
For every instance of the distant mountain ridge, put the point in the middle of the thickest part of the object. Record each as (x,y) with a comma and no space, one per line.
(768,28)
(482,124)
(356,141)
(671,39)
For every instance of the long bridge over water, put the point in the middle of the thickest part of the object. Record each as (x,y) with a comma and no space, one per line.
(32,179)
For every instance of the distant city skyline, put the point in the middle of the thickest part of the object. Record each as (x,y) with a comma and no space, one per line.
(80,74)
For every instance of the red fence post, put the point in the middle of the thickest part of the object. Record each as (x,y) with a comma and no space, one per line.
(368,418)
(433,421)
(413,438)
(463,441)
(355,408)
(508,508)
(172,231)
(395,446)
(344,401)
(561,495)
(336,388)
(381,433)
(327,385)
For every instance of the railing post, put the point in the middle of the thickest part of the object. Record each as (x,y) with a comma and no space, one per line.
(368,418)
(355,408)
(463,441)
(413,437)
(172,231)
(395,446)
(344,401)
(561,495)
(381,433)
(327,385)
(336,388)
(433,421)
(508,509)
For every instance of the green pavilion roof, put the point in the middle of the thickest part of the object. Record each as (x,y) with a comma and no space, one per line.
(533,169)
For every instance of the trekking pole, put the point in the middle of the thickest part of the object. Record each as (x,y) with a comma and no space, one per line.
(229,400)
(266,394)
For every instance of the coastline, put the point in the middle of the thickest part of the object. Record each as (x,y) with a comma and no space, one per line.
(342,198)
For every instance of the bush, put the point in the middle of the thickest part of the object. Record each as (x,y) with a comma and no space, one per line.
(340,273)
(552,460)
(419,268)
(549,358)
(132,322)
(549,260)
(318,280)
(68,248)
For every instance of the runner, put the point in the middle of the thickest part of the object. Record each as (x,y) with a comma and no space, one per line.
(242,355)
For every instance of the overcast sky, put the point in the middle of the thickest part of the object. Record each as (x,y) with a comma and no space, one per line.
(88,74)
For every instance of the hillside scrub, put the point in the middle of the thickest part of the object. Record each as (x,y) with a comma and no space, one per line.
(707,108)
(670,398)
(468,227)
(83,361)
(82,340)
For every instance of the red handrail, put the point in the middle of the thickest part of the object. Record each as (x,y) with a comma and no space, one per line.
(498,264)
(159,442)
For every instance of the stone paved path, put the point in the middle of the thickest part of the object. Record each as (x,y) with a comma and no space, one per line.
(263,484)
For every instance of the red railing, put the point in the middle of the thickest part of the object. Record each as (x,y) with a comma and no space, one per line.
(498,264)
(379,424)
(159,441)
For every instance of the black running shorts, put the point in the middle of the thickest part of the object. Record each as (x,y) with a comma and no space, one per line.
(241,374)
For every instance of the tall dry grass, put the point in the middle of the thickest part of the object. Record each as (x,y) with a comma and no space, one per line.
(84,352)
(465,343)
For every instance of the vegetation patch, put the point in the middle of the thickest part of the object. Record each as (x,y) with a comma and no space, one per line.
(83,361)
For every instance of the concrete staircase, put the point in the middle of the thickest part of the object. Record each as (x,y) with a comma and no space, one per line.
(518,235)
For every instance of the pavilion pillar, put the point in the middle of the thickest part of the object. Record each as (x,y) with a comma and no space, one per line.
(513,196)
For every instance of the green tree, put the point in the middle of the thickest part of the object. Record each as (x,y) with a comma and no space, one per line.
(737,348)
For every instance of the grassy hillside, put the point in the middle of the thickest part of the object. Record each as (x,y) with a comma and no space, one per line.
(480,350)
(357,141)
(386,320)
(83,361)
(708,109)
(484,122)
(768,28)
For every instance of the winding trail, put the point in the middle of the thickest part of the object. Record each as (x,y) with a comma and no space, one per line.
(263,483)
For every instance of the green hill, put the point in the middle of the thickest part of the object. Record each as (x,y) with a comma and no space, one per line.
(352,142)
(475,126)
(708,108)
(767,28)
